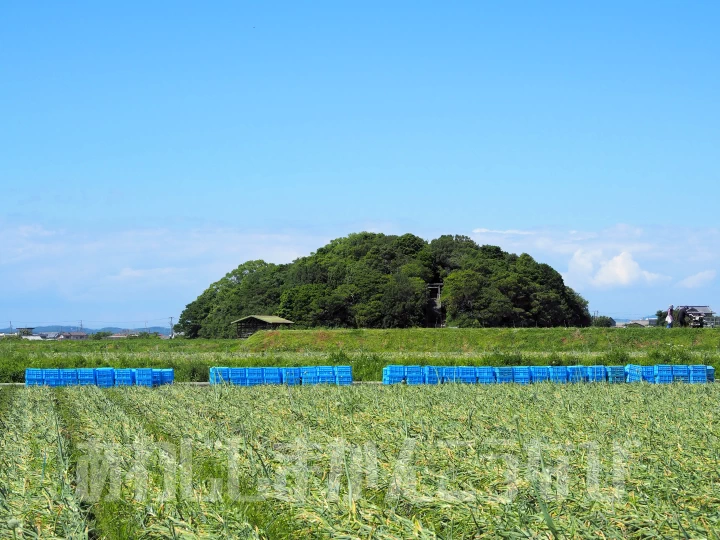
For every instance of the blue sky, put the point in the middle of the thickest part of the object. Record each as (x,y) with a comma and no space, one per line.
(149,148)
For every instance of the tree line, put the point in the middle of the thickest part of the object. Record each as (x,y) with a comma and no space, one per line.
(368,280)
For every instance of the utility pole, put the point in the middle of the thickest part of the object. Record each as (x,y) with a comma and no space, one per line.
(172,332)
(81,328)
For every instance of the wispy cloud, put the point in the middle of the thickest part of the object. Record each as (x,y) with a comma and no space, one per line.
(514,232)
(698,280)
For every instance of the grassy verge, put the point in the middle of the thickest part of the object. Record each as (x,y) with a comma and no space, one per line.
(368,351)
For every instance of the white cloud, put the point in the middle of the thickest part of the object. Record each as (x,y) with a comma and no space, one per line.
(698,280)
(508,232)
(623,270)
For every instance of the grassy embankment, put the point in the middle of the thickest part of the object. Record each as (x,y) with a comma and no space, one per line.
(369,350)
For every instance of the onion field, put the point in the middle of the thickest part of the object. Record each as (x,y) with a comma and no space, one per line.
(370,461)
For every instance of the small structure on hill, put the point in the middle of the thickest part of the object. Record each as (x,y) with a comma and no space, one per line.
(247,326)
(27,331)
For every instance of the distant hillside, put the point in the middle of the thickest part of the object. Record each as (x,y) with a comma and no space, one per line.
(371,280)
(56,328)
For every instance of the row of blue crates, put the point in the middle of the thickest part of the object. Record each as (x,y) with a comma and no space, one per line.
(658,374)
(252,376)
(102,377)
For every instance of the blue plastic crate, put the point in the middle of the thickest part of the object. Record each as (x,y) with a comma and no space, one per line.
(34,377)
(633,373)
(485,375)
(167,376)
(540,373)
(521,375)
(596,373)
(710,374)
(105,377)
(272,375)
(663,379)
(143,377)
(238,376)
(393,375)
(504,374)
(576,374)
(681,373)
(432,374)
(663,369)
(449,374)
(291,376)
(558,374)
(308,372)
(343,381)
(616,374)
(325,375)
(698,374)
(343,371)
(86,376)
(51,375)
(124,377)
(69,377)
(219,375)
(414,375)
(648,373)
(466,375)
(157,377)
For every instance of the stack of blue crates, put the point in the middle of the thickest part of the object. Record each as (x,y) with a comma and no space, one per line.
(167,376)
(34,377)
(219,375)
(558,374)
(238,376)
(698,374)
(86,376)
(254,376)
(540,373)
(504,374)
(663,374)
(343,375)
(68,377)
(291,375)
(448,374)
(648,373)
(308,374)
(51,377)
(124,377)
(431,374)
(105,377)
(577,374)
(616,374)
(272,375)
(465,374)
(393,374)
(325,375)
(485,375)
(596,373)
(681,374)
(143,376)
(633,373)
(521,375)
(414,375)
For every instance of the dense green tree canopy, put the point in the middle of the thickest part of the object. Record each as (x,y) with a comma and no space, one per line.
(371,280)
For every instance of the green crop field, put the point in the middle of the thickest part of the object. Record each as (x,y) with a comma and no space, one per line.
(449,461)
(368,351)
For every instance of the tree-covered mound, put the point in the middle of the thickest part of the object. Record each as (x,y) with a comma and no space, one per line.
(371,280)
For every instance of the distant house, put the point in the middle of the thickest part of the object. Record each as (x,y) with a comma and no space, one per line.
(52,336)
(77,336)
(247,326)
